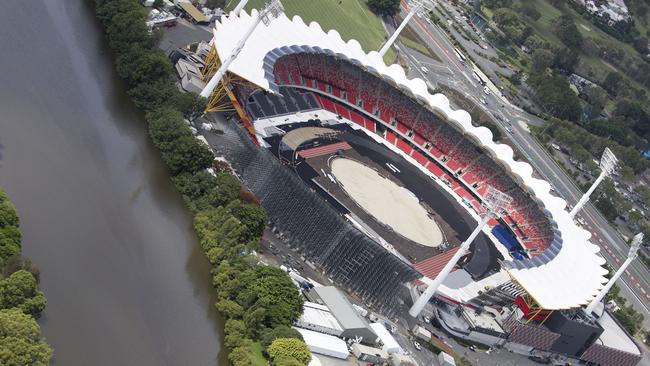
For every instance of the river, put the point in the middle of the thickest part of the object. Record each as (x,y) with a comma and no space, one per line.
(125,279)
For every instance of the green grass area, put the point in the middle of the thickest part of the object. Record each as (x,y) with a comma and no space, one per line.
(258,359)
(414,45)
(351,18)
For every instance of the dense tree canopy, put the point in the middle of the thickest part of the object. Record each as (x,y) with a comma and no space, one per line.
(556,96)
(20,290)
(273,291)
(281,331)
(252,214)
(184,155)
(290,347)
(9,233)
(542,59)
(384,7)
(568,32)
(20,340)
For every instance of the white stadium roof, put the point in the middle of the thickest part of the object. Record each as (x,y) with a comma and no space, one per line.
(568,274)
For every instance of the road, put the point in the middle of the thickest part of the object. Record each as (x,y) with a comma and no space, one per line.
(635,285)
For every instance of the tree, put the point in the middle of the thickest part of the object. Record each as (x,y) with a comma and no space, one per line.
(556,96)
(612,82)
(529,10)
(581,154)
(542,59)
(227,190)
(9,233)
(197,188)
(627,173)
(286,361)
(186,154)
(20,290)
(191,104)
(17,263)
(127,29)
(566,59)
(235,330)
(273,290)
(289,347)
(384,7)
(215,4)
(495,4)
(158,4)
(630,319)
(597,97)
(607,208)
(166,125)
(139,65)
(241,356)
(230,308)
(568,32)
(20,340)
(250,214)
(644,192)
(150,96)
(281,331)
(8,214)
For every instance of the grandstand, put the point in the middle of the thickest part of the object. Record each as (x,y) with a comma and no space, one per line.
(289,65)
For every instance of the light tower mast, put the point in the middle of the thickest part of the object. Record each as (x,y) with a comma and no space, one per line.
(494,203)
(271,10)
(608,165)
(415,5)
(631,255)
(240,6)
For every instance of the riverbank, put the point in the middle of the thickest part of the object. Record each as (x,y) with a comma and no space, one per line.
(21,301)
(125,278)
(260,303)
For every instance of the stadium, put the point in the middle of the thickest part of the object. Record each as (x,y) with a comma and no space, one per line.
(377,182)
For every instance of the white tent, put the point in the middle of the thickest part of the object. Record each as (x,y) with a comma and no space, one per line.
(390,345)
(324,344)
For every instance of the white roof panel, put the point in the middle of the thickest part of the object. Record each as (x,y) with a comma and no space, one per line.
(566,275)
(324,344)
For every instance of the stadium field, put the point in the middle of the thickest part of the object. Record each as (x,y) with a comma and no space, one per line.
(351,18)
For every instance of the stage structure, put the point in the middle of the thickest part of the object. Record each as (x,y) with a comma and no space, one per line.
(312,226)
(608,165)
(495,203)
(416,6)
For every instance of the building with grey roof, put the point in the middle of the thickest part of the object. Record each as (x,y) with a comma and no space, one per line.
(340,307)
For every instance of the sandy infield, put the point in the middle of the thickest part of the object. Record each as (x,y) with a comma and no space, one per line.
(389,203)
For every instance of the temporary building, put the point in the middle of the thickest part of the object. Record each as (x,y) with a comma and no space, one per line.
(324,344)
(390,345)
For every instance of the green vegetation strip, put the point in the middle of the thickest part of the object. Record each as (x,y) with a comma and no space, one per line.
(21,301)
(259,302)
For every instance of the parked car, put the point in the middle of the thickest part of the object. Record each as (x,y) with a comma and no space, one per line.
(417,345)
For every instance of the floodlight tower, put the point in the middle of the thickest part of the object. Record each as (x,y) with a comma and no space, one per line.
(415,5)
(271,10)
(608,165)
(240,6)
(631,255)
(494,203)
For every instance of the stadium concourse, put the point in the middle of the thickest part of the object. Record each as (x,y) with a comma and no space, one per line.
(302,84)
